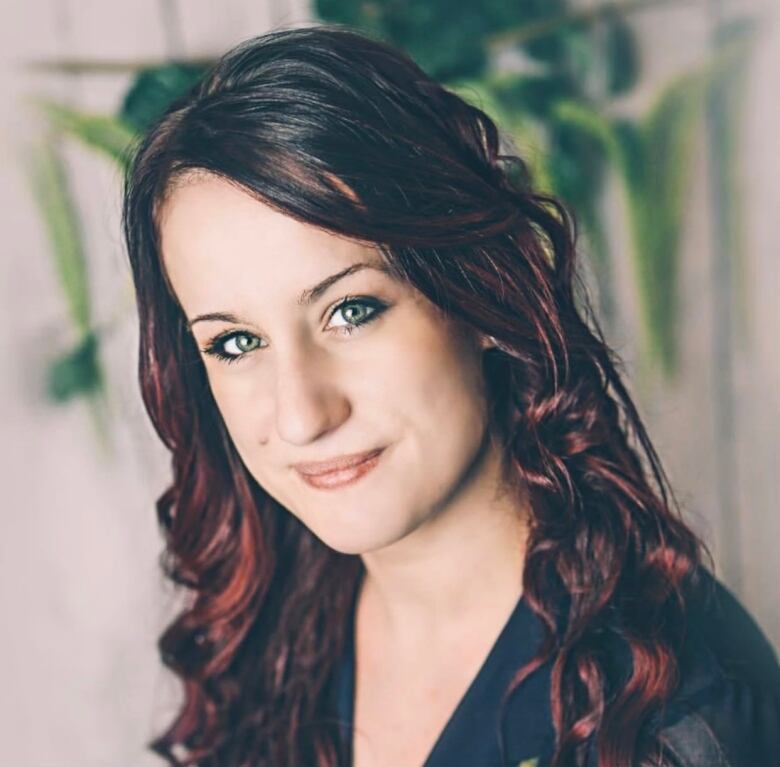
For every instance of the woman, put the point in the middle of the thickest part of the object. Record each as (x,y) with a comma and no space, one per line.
(405,506)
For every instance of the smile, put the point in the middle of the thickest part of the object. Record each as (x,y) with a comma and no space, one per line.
(346,475)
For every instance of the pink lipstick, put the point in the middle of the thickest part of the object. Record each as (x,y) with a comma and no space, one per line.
(340,471)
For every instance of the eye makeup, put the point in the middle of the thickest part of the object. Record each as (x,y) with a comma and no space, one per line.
(219,345)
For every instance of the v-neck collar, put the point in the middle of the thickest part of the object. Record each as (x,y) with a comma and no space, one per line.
(463,740)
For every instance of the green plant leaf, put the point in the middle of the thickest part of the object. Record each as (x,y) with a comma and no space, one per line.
(456,50)
(355,13)
(580,151)
(448,40)
(654,157)
(52,194)
(658,205)
(582,61)
(77,372)
(154,90)
(560,18)
(534,94)
(486,94)
(479,93)
(663,145)
(600,258)
(629,151)
(549,48)
(577,160)
(726,104)
(108,135)
(621,55)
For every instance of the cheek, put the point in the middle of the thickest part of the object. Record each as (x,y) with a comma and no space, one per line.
(243,410)
(438,390)
(424,380)
(237,405)
(444,372)
(452,396)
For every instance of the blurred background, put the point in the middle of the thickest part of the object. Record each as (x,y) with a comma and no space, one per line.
(655,120)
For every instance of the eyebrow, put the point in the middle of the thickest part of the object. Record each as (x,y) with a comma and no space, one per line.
(306,298)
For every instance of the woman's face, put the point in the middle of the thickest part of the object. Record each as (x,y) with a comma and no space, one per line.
(302,375)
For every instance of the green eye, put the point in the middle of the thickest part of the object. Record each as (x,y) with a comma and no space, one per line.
(355,313)
(233,346)
(245,343)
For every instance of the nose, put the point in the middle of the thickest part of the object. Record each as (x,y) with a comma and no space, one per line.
(309,402)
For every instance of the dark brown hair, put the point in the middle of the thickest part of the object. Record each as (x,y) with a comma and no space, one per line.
(295,117)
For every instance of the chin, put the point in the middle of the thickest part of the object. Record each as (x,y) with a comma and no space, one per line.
(351,544)
(350,539)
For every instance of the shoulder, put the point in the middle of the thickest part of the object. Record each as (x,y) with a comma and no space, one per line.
(725,711)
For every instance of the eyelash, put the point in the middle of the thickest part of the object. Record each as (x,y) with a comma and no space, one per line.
(215,347)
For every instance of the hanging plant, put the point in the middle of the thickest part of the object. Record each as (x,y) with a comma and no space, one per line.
(559,112)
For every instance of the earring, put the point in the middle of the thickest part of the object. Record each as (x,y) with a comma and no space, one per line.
(492,342)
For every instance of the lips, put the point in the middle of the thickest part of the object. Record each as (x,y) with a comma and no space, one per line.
(343,462)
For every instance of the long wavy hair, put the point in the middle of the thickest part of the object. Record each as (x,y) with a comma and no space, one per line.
(298,118)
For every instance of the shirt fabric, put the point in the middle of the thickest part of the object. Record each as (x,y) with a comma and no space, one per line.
(725,711)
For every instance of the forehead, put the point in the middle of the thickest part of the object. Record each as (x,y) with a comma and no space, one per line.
(219,243)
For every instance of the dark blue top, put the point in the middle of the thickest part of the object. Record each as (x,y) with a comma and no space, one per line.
(725,712)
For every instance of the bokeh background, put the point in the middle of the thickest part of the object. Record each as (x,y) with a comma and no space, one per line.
(656,121)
